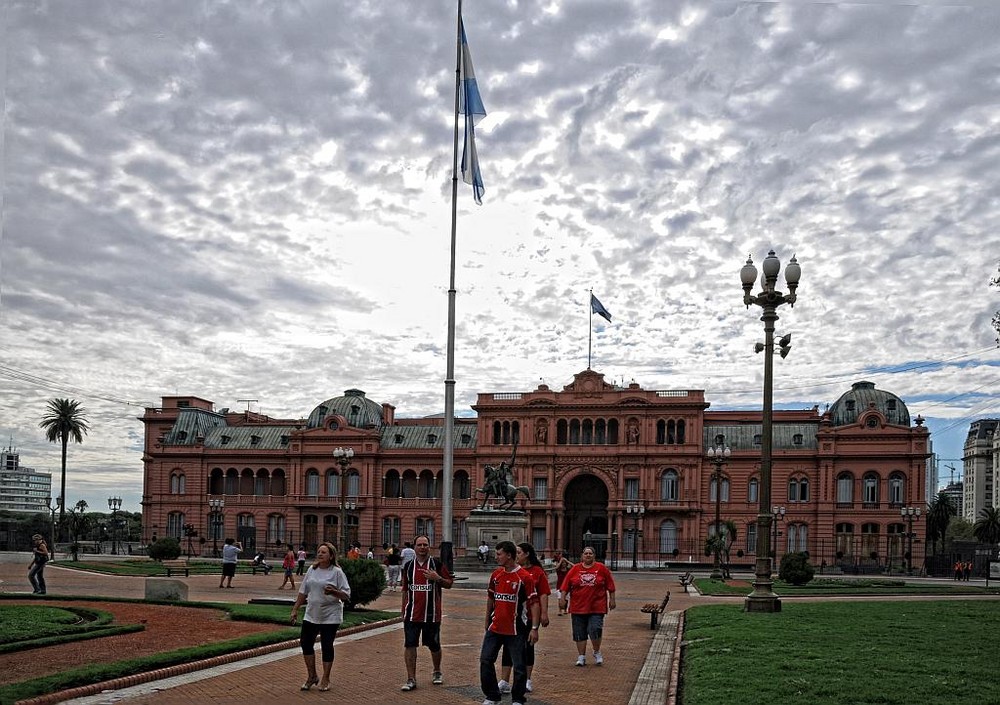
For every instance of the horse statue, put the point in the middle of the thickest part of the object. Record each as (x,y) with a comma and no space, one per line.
(500,484)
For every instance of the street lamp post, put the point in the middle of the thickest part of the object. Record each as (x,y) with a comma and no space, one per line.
(777,515)
(636,510)
(343,457)
(718,457)
(216,505)
(52,521)
(114,504)
(909,514)
(763,599)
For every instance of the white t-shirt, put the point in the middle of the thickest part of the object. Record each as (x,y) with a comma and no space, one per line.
(408,554)
(320,607)
(230,552)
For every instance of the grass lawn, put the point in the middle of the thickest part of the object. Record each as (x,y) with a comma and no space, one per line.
(882,653)
(850,586)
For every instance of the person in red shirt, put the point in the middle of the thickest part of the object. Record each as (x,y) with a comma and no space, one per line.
(511,598)
(590,590)
(423,579)
(528,559)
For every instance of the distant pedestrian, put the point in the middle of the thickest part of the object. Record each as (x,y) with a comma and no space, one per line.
(483,553)
(967,570)
(407,554)
(511,596)
(302,559)
(562,565)
(423,579)
(958,570)
(230,555)
(288,563)
(590,590)
(527,558)
(36,570)
(324,590)
(393,561)
(371,553)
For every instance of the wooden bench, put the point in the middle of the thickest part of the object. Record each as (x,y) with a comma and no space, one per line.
(265,568)
(655,610)
(176,565)
(686,580)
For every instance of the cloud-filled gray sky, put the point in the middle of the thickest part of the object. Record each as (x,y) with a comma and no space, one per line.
(251,200)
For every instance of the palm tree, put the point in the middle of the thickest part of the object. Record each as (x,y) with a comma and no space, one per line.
(64,419)
(939,514)
(987,526)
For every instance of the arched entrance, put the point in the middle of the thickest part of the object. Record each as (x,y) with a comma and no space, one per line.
(586,502)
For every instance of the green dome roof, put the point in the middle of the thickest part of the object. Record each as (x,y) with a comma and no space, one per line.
(864,396)
(354,406)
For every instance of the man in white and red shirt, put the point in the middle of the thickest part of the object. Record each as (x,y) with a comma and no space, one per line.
(423,578)
(511,596)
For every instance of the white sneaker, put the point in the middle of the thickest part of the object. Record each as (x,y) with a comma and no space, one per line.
(581,660)
(598,658)
(491,702)
(504,686)
(527,686)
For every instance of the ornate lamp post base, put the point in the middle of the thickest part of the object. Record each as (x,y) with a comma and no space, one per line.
(762,599)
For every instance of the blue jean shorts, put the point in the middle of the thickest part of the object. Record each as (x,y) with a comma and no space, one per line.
(587,625)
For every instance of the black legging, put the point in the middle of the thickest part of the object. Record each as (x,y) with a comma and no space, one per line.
(327,633)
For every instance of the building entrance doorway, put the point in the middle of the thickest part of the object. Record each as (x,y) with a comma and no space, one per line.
(586,517)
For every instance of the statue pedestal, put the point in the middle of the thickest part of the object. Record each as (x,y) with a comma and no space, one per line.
(494,525)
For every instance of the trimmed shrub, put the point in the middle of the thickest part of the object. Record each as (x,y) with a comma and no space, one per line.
(367,579)
(795,569)
(165,549)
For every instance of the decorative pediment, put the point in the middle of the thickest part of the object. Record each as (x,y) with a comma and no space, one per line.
(588,382)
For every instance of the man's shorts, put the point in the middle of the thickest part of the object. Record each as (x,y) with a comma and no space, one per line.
(587,625)
(427,632)
(228,570)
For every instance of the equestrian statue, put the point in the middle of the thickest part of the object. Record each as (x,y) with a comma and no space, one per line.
(500,484)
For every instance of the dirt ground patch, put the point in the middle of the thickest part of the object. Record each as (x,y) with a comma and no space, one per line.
(166,628)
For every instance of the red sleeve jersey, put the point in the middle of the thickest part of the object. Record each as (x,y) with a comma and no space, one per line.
(541,580)
(421,597)
(588,588)
(512,592)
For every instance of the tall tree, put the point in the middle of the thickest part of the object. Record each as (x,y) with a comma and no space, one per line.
(64,420)
(987,526)
(939,514)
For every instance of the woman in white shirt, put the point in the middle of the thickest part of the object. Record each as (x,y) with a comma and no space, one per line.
(323,590)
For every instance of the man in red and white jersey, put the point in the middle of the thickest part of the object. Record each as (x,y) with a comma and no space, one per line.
(511,597)
(423,579)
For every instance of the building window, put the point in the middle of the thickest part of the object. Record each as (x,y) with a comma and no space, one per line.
(232,481)
(661,432)
(793,490)
(390,487)
(869,540)
(751,538)
(541,490)
(896,488)
(798,538)
(669,490)
(844,538)
(460,531)
(178,483)
(175,524)
(391,529)
(331,530)
(756,439)
(845,488)
(752,491)
(310,528)
(275,529)
(631,488)
(870,484)
(261,484)
(725,490)
(538,537)
(425,526)
(562,435)
(668,537)
(353,483)
(312,483)
(461,487)
(797,439)
(332,484)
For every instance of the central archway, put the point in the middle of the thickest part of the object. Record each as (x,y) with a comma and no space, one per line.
(586,503)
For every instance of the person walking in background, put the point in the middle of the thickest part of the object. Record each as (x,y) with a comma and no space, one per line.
(36,570)
(302,559)
(423,579)
(590,590)
(511,595)
(407,554)
(484,552)
(527,558)
(324,590)
(562,565)
(288,563)
(393,560)
(230,555)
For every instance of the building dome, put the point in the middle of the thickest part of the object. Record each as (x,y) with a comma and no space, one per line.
(864,396)
(354,406)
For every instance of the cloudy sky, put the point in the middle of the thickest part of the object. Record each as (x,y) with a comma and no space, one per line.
(251,200)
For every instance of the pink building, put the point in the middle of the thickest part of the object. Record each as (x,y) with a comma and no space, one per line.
(623,468)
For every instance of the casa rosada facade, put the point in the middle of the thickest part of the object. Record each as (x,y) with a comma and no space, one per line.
(622,468)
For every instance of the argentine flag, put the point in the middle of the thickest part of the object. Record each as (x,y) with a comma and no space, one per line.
(470,104)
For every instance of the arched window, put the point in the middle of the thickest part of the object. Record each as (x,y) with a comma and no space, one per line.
(661,432)
(668,537)
(178,483)
(175,524)
(681,439)
(409,485)
(216,481)
(232,481)
(246,482)
(461,487)
(312,482)
(506,433)
(753,489)
(425,525)
(262,483)
(390,486)
(669,486)
(425,484)
(725,490)
(804,490)
(671,432)
(869,540)
(278,483)
(600,432)
(845,488)
(613,432)
(798,538)
(870,485)
(562,436)
(497,433)
(896,487)
(798,490)
(587,432)
(332,483)
(574,432)
(844,538)
(331,529)
(751,548)
(353,483)
(391,530)
(310,526)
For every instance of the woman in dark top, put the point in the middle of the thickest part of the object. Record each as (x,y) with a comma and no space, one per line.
(36,571)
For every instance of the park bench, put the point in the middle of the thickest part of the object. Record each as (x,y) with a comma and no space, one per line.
(264,568)
(686,580)
(655,610)
(176,565)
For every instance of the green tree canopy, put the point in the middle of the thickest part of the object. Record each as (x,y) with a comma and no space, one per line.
(939,514)
(64,420)
(987,526)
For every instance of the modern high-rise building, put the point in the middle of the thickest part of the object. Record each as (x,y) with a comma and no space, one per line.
(620,467)
(22,489)
(957,495)
(979,460)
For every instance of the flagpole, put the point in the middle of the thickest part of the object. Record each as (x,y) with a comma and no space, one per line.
(447,542)
(590,328)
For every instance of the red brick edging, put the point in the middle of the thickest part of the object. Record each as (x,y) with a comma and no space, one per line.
(182,668)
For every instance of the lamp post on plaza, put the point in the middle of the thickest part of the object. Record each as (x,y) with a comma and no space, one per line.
(343,457)
(52,521)
(636,510)
(718,457)
(763,599)
(216,505)
(114,504)
(777,514)
(909,514)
